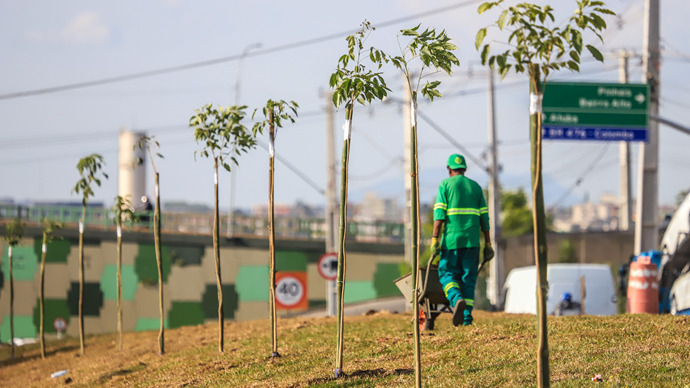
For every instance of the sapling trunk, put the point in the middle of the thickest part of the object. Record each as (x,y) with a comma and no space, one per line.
(414,236)
(82,345)
(88,169)
(358,85)
(41,294)
(539,221)
(119,282)
(340,285)
(218,129)
(159,264)
(271,239)
(11,255)
(216,255)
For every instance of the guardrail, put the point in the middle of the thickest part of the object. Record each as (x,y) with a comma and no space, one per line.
(202,223)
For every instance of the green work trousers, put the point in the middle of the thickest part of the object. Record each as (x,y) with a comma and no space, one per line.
(457,271)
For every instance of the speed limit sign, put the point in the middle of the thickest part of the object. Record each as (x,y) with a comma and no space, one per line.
(291,291)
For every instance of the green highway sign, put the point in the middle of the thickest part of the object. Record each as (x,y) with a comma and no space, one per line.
(595,111)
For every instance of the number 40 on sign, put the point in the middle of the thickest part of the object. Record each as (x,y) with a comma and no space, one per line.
(291,291)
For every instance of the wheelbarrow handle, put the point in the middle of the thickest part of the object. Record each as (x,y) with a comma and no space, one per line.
(482,265)
(422,294)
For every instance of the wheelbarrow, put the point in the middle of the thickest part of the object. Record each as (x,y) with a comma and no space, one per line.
(432,300)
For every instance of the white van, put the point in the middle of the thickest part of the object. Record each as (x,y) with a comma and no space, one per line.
(520,288)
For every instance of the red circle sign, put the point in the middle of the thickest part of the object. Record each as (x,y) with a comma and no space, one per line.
(291,291)
(328,265)
(59,324)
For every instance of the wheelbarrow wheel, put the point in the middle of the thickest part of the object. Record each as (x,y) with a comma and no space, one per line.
(425,321)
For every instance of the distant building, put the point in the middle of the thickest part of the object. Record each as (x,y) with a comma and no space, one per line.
(303,210)
(186,207)
(589,216)
(374,208)
(279,210)
(602,216)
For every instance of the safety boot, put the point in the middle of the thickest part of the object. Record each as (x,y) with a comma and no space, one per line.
(458,312)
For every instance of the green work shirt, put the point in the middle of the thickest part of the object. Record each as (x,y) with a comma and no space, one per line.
(460,205)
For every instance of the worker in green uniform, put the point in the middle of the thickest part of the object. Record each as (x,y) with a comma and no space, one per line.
(461,207)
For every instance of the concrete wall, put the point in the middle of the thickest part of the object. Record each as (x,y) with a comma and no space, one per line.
(190,295)
(190,280)
(613,248)
(594,247)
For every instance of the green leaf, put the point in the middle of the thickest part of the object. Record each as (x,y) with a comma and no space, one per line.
(411,31)
(484,7)
(595,53)
(502,19)
(604,11)
(598,22)
(504,71)
(576,40)
(480,38)
(501,61)
(485,53)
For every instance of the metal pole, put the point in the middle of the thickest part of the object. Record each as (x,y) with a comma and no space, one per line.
(646,227)
(679,127)
(625,212)
(233,174)
(495,282)
(331,202)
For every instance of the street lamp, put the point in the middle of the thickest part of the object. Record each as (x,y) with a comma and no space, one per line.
(238,78)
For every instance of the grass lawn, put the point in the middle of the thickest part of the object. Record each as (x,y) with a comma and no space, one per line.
(498,350)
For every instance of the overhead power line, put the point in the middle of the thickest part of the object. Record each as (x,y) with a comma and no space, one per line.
(216,61)
(582,176)
(295,170)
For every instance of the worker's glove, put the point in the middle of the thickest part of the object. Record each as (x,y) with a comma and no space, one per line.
(488,252)
(435,246)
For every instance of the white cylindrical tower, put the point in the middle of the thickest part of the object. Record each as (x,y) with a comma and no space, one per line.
(132,168)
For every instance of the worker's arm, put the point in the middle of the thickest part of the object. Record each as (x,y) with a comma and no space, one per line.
(487,237)
(435,236)
(438,225)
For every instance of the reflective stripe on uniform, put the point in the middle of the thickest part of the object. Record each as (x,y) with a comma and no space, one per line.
(469,302)
(463,211)
(449,286)
(441,206)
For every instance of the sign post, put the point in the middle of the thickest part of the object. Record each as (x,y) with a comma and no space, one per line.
(596,111)
(328,269)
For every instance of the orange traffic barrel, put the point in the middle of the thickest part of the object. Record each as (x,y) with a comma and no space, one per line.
(643,287)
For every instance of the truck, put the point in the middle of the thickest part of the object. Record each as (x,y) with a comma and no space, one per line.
(674,267)
(565,281)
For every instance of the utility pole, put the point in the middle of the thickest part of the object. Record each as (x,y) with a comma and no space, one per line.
(646,228)
(495,282)
(625,206)
(233,173)
(331,202)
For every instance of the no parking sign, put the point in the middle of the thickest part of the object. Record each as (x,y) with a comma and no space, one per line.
(291,291)
(328,265)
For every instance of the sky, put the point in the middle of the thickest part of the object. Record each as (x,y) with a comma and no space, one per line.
(147,65)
